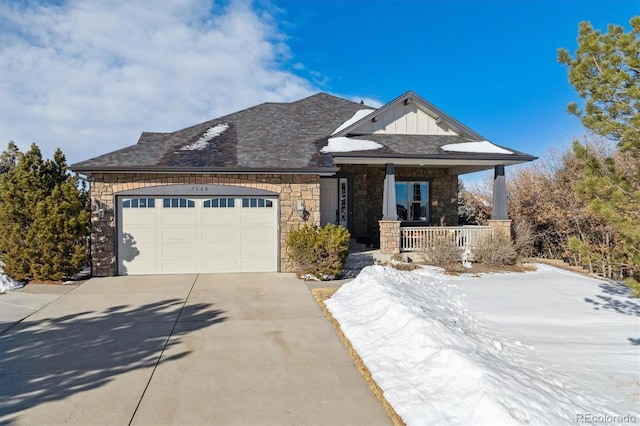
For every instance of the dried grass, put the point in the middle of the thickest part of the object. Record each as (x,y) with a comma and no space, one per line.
(320,295)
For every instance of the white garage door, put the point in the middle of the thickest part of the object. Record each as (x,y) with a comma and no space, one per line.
(172,234)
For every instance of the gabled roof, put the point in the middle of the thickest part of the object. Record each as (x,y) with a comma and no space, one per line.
(294,137)
(407,98)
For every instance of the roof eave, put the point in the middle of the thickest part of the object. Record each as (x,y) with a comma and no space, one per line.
(88,170)
(437,160)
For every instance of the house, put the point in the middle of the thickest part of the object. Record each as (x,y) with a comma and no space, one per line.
(222,196)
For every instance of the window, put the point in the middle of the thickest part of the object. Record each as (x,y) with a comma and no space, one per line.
(256,202)
(219,203)
(412,200)
(139,203)
(180,203)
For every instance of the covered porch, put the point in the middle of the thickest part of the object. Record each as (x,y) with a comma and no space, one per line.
(400,234)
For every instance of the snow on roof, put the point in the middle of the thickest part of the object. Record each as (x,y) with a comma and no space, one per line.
(345,144)
(437,364)
(359,115)
(204,140)
(477,147)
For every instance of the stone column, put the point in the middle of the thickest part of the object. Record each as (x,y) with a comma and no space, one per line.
(501,228)
(389,236)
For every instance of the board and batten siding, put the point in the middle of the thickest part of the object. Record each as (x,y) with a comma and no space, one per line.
(407,120)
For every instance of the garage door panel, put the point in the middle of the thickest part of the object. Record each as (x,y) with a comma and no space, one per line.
(219,265)
(179,220)
(142,249)
(138,217)
(254,217)
(142,266)
(179,250)
(219,217)
(224,248)
(180,233)
(256,233)
(198,239)
(212,233)
(179,266)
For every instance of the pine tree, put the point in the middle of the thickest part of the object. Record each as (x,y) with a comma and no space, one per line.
(8,158)
(44,218)
(606,73)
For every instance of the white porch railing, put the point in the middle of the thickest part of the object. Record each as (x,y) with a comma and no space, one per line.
(416,238)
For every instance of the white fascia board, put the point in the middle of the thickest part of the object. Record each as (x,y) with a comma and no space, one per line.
(444,162)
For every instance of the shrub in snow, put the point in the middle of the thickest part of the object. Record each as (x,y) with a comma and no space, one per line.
(443,252)
(634,285)
(319,252)
(44,218)
(523,238)
(496,250)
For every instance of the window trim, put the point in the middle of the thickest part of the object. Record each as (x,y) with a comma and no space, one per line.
(229,203)
(429,182)
(189,203)
(149,203)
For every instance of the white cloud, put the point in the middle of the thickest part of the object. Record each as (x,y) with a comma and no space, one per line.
(89,77)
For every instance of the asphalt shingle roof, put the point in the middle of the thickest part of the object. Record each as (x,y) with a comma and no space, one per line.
(268,137)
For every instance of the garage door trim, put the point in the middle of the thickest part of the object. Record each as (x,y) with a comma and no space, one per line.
(194,191)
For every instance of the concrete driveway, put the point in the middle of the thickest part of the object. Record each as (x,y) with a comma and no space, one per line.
(181,349)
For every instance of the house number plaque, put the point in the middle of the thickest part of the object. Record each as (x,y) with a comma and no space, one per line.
(199,188)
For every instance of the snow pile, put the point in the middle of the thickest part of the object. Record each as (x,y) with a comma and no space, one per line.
(344,144)
(484,147)
(7,283)
(437,364)
(359,115)
(204,140)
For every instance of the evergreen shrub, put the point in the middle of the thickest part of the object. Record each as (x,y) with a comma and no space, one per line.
(317,251)
(44,217)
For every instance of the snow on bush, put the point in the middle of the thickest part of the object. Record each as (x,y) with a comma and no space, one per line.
(7,283)
(437,364)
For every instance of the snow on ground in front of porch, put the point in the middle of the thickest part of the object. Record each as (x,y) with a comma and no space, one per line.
(344,144)
(544,350)
(483,147)
(359,115)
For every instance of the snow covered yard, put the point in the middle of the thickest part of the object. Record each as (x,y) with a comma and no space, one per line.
(544,347)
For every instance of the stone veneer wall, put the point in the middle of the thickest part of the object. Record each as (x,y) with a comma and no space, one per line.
(104,187)
(368,181)
(390,236)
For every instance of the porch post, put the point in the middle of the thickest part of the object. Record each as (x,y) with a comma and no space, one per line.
(389,225)
(499,207)
(389,209)
(499,218)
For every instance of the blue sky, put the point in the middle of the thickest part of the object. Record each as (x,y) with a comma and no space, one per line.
(490,64)
(90,76)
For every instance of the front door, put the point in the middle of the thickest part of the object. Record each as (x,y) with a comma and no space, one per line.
(334,201)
